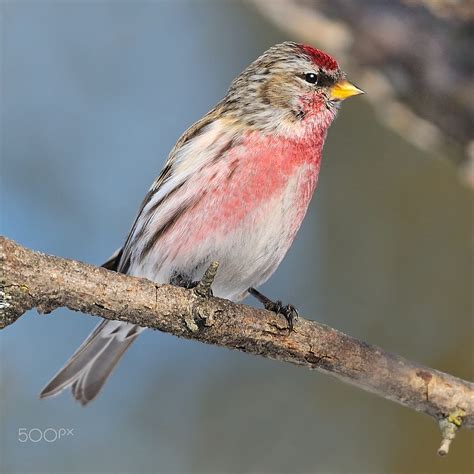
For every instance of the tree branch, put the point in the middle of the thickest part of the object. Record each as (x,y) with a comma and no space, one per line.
(30,279)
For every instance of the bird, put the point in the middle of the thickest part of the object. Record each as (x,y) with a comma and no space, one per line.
(234,190)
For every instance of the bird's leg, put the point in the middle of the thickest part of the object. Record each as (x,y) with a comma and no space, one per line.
(288,311)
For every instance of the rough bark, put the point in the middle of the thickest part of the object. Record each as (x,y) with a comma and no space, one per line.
(31,279)
(412,57)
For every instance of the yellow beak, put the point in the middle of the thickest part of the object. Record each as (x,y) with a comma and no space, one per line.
(343,89)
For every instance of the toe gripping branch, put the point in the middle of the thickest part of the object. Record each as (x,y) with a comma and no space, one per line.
(288,311)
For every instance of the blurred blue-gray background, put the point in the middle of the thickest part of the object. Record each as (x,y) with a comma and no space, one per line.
(93,97)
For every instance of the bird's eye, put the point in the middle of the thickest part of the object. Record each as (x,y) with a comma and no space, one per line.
(311,77)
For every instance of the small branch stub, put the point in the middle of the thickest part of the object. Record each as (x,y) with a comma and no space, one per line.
(201,315)
(203,288)
(449,426)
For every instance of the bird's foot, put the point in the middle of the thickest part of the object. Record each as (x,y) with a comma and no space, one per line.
(288,311)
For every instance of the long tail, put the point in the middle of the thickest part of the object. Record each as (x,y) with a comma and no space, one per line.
(90,366)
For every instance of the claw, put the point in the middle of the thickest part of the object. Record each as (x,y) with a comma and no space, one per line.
(291,315)
(288,311)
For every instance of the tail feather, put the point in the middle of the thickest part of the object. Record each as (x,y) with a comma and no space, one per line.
(90,381)
(95,359)
(90,366)
(87,351)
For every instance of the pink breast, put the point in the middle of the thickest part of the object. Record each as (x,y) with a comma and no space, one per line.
(251,174)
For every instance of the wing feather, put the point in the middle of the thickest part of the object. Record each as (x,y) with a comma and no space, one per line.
(203,144)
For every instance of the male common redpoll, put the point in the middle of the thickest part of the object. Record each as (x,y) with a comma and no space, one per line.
(235,189)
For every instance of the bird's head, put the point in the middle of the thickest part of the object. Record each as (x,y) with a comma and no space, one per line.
(289,85)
